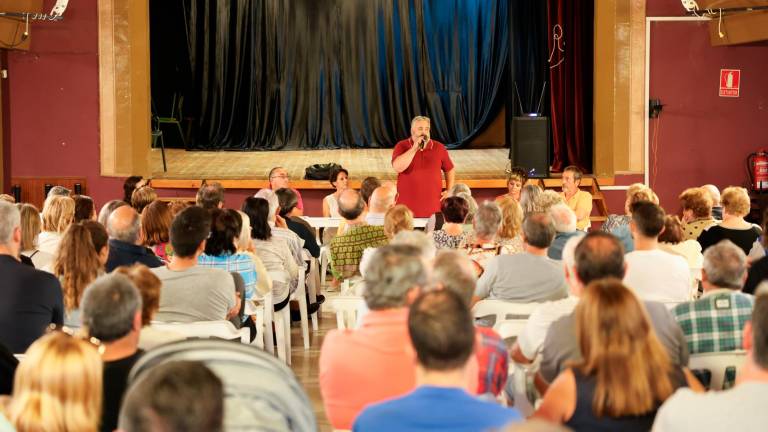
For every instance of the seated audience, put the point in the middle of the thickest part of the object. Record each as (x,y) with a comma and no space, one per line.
(210,196)
(437,220)
(453,271)
(125,242)
(697,212)
(624,374)
(112,314)
(31,299)
(715,322)
(7,198)
(599,255)
(510,235)
(177,206)
(441,331)
(451,235)
(347,249)
(527,277)
(339,179)
(82,256)
(287,200)
(58,387)
(481,244)
(515,181)
(741,408)
(278,179)
(547,199)
(618,225)
(279,228)
(168,399)
(142,197)
(245,245)
(348,358)
(529,197)
(367,186)
(221,249)
(30,230)
(381,200)
(190,292)
(714,193)
(578,200)
(156,221)
(58,191)
(84,208)
(272,251)
(531,339)
(107,210)
(736,205)
(564,220)
(149,287)
(131,184)
(672,240)
(58,214)
(397,219)
(652,273)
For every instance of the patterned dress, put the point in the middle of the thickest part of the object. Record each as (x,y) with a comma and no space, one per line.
(347,249)
(444,240)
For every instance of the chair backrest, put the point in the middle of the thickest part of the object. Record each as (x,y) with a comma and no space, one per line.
(722,366)
(346,308)
(503,310)
(206,329)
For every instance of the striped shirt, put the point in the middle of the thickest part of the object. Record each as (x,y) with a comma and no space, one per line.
(239,263)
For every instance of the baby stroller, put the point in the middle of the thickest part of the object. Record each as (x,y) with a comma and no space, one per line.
(260,392)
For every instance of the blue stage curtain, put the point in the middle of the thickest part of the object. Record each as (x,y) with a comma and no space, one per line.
(273,74)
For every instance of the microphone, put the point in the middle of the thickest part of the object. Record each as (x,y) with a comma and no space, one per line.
(424,141)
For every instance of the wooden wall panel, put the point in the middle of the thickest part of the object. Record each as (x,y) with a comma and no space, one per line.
(33,188)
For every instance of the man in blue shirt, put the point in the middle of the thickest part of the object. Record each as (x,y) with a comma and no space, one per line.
(442,333)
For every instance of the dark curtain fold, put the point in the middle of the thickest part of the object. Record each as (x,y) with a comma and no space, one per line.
(570,42)
(271,74)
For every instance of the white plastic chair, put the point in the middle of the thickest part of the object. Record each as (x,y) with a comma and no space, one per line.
(312,285)
(346,308)
(282,320)
(325,259)
(717,363)
(264,312)
(206,329)
(504,311)
(300,295)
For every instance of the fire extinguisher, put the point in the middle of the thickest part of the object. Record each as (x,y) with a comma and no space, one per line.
(757,166)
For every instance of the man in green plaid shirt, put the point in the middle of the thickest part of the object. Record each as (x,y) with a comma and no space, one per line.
(715,322)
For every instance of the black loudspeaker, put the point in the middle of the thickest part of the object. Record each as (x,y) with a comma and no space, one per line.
(16,191)
(47,188)
(78,189)
(530,145)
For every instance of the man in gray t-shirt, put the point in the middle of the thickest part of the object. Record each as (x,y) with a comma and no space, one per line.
(191,293)
(527,277)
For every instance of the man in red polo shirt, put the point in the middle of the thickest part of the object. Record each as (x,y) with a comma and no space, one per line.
(419,161)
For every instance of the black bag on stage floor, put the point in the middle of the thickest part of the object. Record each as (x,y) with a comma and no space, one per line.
(320,171)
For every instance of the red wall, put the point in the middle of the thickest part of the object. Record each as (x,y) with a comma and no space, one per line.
(53,101)
(703,138)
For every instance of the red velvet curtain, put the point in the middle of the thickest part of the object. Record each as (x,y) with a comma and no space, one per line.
(570,42)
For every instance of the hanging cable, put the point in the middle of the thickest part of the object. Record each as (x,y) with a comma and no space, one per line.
(557,45)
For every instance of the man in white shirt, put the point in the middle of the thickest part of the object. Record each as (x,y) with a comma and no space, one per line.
(741,408)
(532,337)
(382,199)
(653,274)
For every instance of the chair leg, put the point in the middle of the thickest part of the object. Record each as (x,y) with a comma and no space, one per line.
(162,152)
(312,290)
(324,253)
(303,310)
(283,332)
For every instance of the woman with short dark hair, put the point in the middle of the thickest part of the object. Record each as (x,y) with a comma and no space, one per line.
(454,210)
(339,179)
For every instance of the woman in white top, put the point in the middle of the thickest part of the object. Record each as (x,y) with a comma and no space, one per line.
(272,251)
(30,230)
(340,181)
(58,214)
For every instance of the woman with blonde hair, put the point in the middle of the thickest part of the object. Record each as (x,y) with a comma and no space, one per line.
(625,372)
(396,219)
(30,230)
(82,256)
(618,225)
(58,214)
(143,197)
(515,181)
(58,386)
(736,204)
(156,223)
(510,232)
(529,197)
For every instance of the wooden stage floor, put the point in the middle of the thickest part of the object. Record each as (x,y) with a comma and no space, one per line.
(474,164)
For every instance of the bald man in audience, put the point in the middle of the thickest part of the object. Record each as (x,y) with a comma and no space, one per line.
(741,408)
(600,255)
(717,208)
(382,199)
(125,240)
(347,249)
